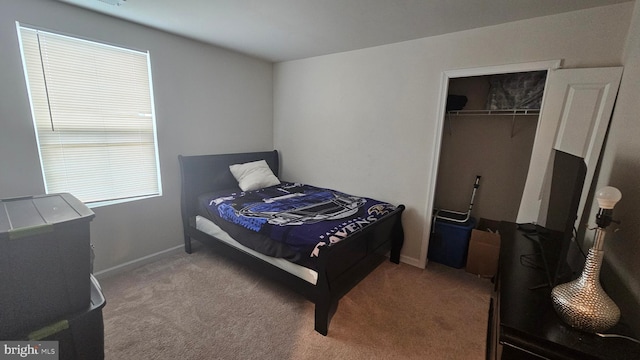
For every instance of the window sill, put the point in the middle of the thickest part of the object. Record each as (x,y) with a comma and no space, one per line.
(118,201)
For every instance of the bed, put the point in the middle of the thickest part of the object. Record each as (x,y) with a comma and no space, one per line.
(337,267)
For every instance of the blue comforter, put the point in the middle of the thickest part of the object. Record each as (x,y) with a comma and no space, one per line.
(302,216)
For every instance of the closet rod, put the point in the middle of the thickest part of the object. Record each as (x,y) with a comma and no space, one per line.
(512,112)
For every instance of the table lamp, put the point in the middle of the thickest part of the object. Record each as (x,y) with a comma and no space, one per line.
(582,303)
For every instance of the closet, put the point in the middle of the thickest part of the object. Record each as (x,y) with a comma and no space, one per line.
(509,147)
(491,135)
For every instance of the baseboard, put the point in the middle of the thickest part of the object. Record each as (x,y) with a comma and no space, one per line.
(410,260)
(130,265)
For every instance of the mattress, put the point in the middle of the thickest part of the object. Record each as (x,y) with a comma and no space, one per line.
(207,226)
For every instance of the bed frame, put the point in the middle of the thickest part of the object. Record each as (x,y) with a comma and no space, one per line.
(340,266)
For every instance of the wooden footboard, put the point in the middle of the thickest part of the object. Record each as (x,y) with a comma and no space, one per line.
(341,266)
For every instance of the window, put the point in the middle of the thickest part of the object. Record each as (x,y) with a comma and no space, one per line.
(93,114)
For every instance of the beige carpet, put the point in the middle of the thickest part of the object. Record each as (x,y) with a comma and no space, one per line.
(202,306)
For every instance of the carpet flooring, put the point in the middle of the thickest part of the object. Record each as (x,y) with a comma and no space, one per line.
(203,306)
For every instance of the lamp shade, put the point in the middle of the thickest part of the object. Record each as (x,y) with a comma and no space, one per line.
(608,197)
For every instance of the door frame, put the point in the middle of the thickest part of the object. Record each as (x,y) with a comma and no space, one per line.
(437,139)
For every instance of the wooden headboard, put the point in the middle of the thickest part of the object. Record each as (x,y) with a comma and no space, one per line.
(206,173)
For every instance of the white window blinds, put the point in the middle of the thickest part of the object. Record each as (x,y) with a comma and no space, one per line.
(92,107)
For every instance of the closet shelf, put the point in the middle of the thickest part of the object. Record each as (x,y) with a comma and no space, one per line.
(511,112)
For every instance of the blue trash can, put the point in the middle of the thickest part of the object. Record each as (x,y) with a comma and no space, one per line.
(449,242)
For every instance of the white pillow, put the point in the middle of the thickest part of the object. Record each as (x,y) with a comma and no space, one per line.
(254,175)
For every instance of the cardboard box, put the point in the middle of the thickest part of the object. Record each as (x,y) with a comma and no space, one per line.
(484,249)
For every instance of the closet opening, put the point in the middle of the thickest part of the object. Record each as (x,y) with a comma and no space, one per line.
(454,168)
(572,119)
(489,129)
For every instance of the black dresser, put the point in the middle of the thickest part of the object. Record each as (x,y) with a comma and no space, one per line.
(523,323)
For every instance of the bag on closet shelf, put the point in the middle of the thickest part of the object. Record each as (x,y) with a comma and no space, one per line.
(516,91)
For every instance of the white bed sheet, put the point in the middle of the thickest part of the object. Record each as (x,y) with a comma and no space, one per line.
(205,225)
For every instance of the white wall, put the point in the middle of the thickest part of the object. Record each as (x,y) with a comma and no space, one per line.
(364,121)
(208,100)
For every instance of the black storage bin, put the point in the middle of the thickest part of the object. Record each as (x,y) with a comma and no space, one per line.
(81,336)
(44,261)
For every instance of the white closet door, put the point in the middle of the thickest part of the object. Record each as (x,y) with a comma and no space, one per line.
(575,114)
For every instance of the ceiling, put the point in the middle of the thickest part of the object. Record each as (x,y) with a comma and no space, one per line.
(281,30)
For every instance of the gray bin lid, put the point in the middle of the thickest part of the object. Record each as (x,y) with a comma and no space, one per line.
(24,216)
